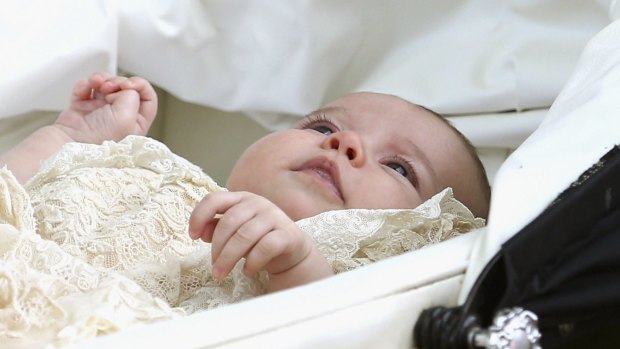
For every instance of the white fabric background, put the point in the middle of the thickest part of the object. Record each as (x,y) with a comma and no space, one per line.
(48,45)
(284,57)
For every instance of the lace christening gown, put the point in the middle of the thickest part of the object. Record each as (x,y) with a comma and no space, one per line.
(97,241)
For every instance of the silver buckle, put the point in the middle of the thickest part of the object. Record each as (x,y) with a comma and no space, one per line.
(512,328)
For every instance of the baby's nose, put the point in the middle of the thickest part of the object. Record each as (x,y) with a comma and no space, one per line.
(347,143)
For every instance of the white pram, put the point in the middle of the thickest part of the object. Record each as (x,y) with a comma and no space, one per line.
(494,68)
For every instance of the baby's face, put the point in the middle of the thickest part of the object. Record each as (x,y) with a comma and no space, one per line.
(364,150)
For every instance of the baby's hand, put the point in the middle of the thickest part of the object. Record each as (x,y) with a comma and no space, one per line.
(108,108)
(253,227)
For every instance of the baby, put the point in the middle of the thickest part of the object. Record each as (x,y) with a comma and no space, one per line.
(364,150)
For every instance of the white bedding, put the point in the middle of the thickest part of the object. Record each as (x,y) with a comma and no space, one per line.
(289,57)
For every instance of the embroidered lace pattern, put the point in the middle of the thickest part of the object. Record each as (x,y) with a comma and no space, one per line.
(97,242)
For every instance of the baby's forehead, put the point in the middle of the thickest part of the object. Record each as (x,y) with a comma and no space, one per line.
(361,107)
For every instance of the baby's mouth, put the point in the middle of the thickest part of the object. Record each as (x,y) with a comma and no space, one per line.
(326,173)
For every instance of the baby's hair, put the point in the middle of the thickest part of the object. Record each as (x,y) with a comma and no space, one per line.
(481,173)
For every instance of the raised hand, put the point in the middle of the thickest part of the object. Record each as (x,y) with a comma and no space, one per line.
(102,108)
(250,226)
(105,107)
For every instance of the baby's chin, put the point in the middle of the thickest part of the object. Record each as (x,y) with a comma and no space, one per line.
(297,214)
(297,211)
(296,201)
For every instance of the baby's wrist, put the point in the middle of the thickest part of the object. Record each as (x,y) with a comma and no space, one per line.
(312,268)
(59,134)
(24,159)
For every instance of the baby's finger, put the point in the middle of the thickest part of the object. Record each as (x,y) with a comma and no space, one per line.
(148,98)
(82,90)
(144,88)
(229,228)
(112,84)
(96,81)
(269,247)
(206,234)
(98,78)
(238,245)
(206,209)
(125,106)
(125,102)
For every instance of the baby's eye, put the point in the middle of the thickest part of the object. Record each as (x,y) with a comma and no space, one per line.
(319,123)
(398,168)
(404,168)
(323,129)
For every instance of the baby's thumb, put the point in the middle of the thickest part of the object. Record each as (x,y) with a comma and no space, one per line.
(125,104)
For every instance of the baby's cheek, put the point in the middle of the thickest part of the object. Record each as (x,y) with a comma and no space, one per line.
(395,198)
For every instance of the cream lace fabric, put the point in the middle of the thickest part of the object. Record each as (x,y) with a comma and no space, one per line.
(97,242)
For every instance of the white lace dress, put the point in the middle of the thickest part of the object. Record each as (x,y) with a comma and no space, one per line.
(97,242)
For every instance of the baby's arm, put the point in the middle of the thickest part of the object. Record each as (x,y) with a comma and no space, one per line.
(102,108)
(253,227)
